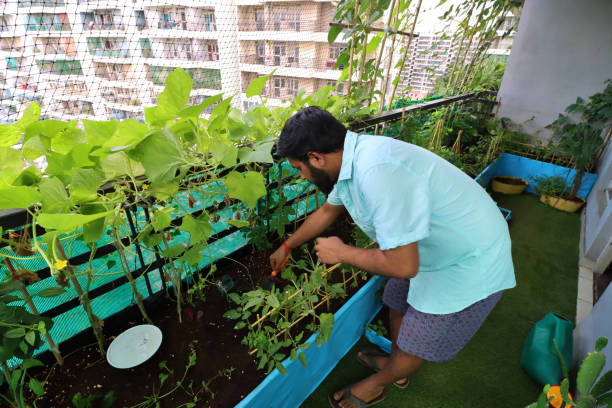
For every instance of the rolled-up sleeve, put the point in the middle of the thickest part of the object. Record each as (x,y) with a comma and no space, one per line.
(333,197)
(399,205)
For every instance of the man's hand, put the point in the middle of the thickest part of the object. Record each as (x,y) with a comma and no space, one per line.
(278,257)
(329,249)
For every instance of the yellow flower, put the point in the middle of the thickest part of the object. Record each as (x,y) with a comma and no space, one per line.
(145,187)
(61,264)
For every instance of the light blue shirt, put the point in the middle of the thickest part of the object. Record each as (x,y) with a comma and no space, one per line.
(399,193)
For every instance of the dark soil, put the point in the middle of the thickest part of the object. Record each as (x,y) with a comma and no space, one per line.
(217,344)
(510,180)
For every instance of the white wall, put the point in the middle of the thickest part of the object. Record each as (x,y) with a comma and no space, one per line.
(597,232)
(562,50)
(596,325)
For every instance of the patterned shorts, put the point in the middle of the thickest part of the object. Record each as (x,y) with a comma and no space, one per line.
(435,337)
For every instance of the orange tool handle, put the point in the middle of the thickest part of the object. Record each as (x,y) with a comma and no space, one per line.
(274,273)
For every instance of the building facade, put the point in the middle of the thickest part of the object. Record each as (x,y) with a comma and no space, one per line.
(109,59)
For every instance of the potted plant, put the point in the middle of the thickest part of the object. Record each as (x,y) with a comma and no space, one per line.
(553,191)
(592,394)
(579,133)
(508,184)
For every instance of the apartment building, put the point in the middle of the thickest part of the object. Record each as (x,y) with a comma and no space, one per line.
(109,59)
(432,55)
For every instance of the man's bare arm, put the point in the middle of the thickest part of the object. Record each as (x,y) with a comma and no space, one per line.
(401,262)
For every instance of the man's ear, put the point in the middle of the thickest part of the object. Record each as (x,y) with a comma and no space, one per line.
(317,160)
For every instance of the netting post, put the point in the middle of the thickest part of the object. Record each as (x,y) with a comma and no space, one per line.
(158,259)
(138,249)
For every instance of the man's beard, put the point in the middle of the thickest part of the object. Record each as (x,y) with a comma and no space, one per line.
(321,179)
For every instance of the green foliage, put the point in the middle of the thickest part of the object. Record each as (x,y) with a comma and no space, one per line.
(592,394)
(579,132)
(551,186)
(306,285)
(95,400)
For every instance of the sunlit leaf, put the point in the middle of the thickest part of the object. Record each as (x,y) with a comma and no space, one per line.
(18,197)
(248,187)
(256,86)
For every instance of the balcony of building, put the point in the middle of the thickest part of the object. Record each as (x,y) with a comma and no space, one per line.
(41,3)
(108,47)
(115,71)
(203,78)
(110,19)
(125,96)
(291,58)
(59,46)
(65,67)
(12,47)
(183,49)
(48,22)
(176,18)
(76,108)
(302,17)
(16,63)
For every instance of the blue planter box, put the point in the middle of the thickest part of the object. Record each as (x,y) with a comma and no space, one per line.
(518,166)
(280,391)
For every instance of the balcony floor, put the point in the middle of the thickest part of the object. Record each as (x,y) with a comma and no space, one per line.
(486,373)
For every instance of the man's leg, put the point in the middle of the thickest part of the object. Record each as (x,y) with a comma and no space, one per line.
(399,366)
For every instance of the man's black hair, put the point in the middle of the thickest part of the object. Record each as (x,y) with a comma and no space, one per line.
(312,129)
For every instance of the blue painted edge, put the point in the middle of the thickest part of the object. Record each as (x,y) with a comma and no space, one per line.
(525,168)
(280,391)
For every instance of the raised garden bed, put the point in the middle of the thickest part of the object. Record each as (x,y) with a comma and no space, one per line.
(221,361)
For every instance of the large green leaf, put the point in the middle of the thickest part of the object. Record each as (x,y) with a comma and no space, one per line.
(223,153)
(326,325)
(196,110)
(9,135)
(35,147)
(161,220)
(65,141)
(18,197)
(47,129)
(98,132)
(333,33)
(176,93)
(68,222)
(30,115)
(84,185)
(60,165)
(247,188)
(54,196)
(194,254)
(261,154)
(589,371)
(28,177)
(11,164)
(129,133)
(161,156)
(198,228)
(80,155)
(93,230)
(116,165)
(257,85)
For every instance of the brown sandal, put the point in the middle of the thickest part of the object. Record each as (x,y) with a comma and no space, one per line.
(366,356)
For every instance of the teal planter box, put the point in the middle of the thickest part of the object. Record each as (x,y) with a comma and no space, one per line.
(280,391)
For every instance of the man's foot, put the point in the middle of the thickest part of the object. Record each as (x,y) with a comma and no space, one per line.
(360,395)
(376,360)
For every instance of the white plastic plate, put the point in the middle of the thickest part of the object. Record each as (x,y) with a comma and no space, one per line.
(134,346)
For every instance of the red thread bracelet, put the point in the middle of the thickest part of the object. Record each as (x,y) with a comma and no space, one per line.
(287,246)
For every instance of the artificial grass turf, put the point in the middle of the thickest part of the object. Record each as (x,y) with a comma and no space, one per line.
(486,373)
